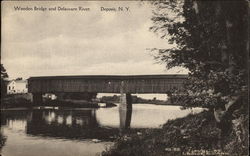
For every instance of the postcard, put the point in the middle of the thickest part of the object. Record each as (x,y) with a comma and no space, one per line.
(124,78)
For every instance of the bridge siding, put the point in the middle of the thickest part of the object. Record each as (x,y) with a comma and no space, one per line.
(105,85)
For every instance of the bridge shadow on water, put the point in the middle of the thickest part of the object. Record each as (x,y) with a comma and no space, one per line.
(69,124)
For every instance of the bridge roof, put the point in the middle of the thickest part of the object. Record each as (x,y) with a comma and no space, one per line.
(118,77)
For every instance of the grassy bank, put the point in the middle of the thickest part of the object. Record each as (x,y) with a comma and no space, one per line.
(191,135)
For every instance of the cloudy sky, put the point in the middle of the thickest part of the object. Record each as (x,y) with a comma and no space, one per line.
(44,43)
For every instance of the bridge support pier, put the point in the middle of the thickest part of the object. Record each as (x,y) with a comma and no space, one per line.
(37,99)
(169,94)
(125,110)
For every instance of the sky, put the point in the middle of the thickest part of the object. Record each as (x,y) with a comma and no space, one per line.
(94,42)
(47,43)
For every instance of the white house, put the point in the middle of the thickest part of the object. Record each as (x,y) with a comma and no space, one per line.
(17,87)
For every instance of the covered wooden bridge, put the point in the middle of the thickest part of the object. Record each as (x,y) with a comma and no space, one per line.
(125,84)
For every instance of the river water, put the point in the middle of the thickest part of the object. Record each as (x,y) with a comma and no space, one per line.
(76,132)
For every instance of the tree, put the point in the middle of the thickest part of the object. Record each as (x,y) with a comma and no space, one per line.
(4,74)
(211,39)
(4,77)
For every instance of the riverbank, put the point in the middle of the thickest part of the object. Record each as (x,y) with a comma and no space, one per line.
(24,101)
(16,101)
(191,135)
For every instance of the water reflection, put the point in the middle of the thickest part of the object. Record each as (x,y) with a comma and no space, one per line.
(125,112)
(63,124)
(68,124)
(13,115)
(125,115)
(142,116)
(3,139)
(71,132)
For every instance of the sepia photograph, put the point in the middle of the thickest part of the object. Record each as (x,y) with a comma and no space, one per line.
(124,78)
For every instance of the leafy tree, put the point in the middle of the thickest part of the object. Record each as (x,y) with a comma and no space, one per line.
(4,74)
(4,77)
(211,40)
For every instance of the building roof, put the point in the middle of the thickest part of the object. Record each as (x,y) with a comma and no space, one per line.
(110,77)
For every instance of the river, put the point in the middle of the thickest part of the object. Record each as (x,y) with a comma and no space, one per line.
(76,132)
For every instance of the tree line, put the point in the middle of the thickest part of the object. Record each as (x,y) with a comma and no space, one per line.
(211,40)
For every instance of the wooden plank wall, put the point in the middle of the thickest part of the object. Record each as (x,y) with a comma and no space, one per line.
(135,85)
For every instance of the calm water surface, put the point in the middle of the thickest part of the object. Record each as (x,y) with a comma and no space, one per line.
(78,132)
